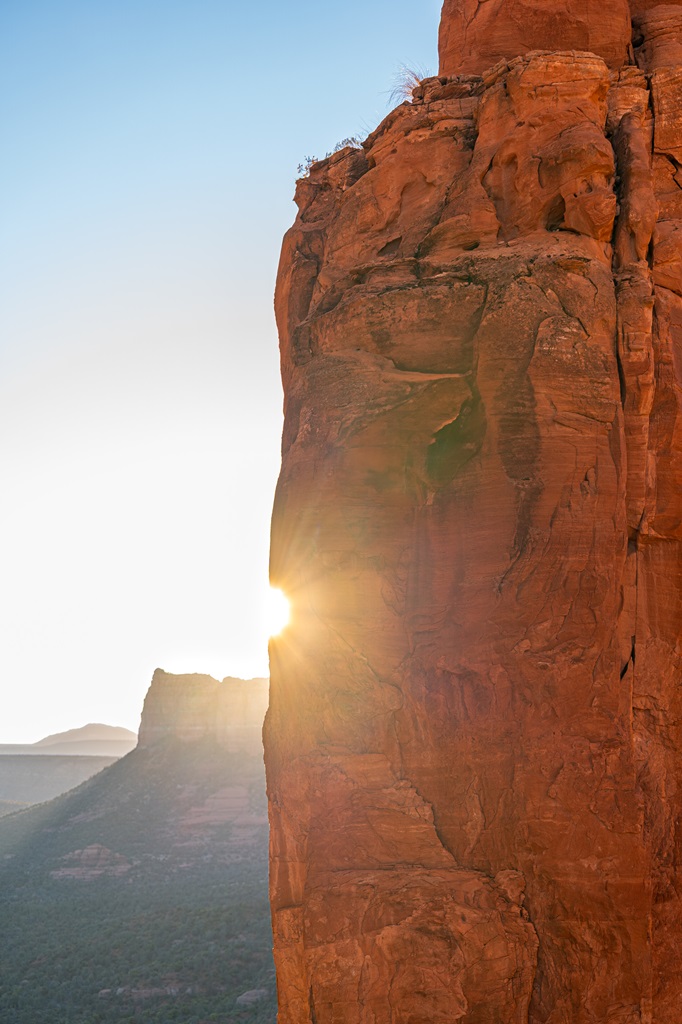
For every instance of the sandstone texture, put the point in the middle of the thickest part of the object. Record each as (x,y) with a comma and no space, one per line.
(476,33)
(95,861)
(191,707)
(474,742)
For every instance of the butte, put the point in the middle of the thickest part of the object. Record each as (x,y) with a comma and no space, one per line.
(474,742)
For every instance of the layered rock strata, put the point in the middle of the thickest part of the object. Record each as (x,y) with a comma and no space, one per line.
(474,739)
(195,706)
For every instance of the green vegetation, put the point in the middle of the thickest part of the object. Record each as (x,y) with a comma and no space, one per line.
(180,935)
(354,142)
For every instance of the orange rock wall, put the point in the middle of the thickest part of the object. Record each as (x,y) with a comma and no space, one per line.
(476,33)
(473,745)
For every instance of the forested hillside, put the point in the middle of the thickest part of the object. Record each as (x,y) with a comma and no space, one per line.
(141,896)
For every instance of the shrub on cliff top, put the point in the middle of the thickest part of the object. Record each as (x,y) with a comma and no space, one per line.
(405,81)
(304,168)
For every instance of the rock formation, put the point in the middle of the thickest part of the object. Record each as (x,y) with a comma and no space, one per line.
(95,861)
(190,707)
(148,883)
(474,739)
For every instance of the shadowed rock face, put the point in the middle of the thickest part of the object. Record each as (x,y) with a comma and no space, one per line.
(473,745)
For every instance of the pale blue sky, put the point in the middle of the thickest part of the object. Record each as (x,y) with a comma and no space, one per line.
(149,156)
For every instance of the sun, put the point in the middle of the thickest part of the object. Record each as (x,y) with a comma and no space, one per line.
(277,611)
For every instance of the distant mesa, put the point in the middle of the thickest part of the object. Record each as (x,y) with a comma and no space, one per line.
(162,858)
(180,707)
(191,707)
(191,725)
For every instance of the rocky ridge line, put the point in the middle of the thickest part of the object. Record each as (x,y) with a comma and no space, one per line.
(196,706)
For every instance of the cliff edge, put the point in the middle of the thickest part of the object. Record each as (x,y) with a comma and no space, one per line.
(474,742)
(190,707)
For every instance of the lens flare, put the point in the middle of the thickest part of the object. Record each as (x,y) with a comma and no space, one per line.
(277,611)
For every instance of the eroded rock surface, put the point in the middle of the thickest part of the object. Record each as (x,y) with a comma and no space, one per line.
(476,33)
(95,861)
(473,744)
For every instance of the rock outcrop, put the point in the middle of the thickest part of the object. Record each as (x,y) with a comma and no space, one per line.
(95,861)
(474,740)
(146,886)
(190,707)
(474,34)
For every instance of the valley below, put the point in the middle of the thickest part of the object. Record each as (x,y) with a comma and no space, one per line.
(141,895)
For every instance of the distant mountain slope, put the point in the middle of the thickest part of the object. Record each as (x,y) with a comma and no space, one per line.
(10,807)
(90,734)
(90,740)
(142,894)
(32,780)
(88,748)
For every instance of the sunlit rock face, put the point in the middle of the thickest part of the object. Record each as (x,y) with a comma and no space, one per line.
(474,736)
(476,33)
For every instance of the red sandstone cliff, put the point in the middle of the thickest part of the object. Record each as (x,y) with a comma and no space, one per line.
(474,740)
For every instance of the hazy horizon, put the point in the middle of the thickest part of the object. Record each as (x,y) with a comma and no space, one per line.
(151,152)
